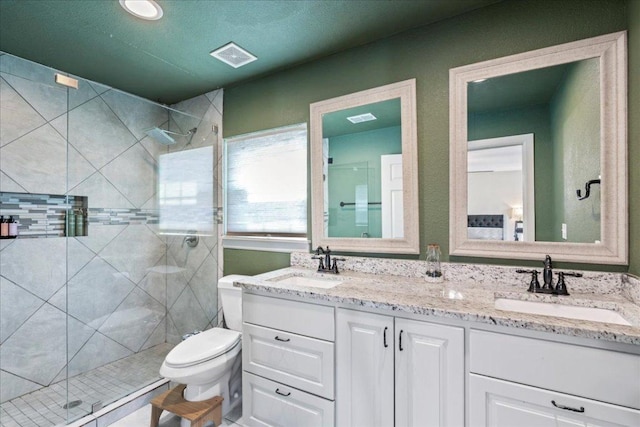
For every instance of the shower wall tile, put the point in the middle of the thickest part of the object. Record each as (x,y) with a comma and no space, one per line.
(9,185)
(134,251)
(37,265)
(48,100)
(100,235)
(18,117)
(158,336)
(84,93)
(47,327)
(101,193)
(96,291)
(13,386)
(97,133)
(136,113)
(134,320)
(187,313)
(98,351)
(37,161)
(204,287)
(78,168)
(133,174)
(16,306)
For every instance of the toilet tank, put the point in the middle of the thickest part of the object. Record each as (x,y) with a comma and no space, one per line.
(231,299)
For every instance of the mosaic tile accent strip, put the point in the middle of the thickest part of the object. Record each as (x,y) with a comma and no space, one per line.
(39,215)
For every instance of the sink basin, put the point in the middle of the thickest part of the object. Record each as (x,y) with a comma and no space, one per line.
(561,310)
(314,282)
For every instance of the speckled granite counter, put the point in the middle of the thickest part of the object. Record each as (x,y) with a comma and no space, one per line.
(468,294)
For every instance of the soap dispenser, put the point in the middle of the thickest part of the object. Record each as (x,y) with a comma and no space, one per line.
(4,228)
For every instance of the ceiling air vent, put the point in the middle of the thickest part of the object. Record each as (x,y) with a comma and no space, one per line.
(366,117)
(233,55)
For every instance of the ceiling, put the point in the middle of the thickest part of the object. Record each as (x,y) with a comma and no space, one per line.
(168,60)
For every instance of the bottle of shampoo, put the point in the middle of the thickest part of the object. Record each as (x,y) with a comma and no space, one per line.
(80,222)
(4,228)
(13,228)
(71,223)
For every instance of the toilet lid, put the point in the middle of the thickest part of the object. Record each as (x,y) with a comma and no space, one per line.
(202,347)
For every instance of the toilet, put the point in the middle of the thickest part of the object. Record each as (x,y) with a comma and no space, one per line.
(210,363)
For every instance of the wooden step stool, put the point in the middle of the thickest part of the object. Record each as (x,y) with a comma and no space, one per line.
(196,412)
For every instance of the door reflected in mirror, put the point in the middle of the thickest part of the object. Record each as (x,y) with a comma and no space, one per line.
(362,157)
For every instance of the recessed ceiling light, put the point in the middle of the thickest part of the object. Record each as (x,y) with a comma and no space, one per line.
(145,9)
(366,117)
(234,55)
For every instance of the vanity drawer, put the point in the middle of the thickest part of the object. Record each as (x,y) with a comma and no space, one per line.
(295,360)
(593,373)
(311,320)
(268,403)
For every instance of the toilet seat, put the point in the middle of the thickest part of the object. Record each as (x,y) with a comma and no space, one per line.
(202,347)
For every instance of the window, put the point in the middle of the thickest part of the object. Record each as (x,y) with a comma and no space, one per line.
(266,183)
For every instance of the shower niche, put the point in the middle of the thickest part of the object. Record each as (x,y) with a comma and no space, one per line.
(44,215)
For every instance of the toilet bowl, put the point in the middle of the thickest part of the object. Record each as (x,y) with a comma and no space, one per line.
(210,363)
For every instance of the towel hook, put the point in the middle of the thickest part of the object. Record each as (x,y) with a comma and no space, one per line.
(587,189)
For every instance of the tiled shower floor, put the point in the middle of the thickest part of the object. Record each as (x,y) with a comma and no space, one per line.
(110,382)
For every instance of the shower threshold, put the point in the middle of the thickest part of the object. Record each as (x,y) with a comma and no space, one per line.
(46,406)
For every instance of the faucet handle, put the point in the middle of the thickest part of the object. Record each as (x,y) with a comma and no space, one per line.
(561,286)
(534,285)
(321,264)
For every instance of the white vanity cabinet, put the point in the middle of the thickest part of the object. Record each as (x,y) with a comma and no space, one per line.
(519,381)
(288,363)
(383,362)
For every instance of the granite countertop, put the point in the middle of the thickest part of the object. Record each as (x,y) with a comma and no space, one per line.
(462,298)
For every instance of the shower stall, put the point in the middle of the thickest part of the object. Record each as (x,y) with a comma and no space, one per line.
(117,255)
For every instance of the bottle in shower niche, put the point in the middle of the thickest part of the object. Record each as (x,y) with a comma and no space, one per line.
(434,270)
(70,223)
(80,222)
(4,228)
(13,228)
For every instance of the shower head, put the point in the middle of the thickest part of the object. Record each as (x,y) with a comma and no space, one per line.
(164,136)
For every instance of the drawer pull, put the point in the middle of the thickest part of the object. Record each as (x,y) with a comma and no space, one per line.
(384,337)
(567,408)
(283,394)
(283,339)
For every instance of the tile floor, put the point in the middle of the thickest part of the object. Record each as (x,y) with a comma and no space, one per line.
(44,407)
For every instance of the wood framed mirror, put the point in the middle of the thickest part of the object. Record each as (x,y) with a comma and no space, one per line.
(571,101)
(364,171)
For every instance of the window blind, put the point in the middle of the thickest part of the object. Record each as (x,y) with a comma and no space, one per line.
(266,182)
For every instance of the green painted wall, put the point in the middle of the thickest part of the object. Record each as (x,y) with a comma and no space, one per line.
(427,54)
(575,124)
(238,261)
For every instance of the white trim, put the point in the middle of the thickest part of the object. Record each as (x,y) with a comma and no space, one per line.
(268,244)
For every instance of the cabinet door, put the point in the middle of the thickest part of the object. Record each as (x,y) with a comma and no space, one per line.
(497,403)
(429,374)
(268,403)
(364,369)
